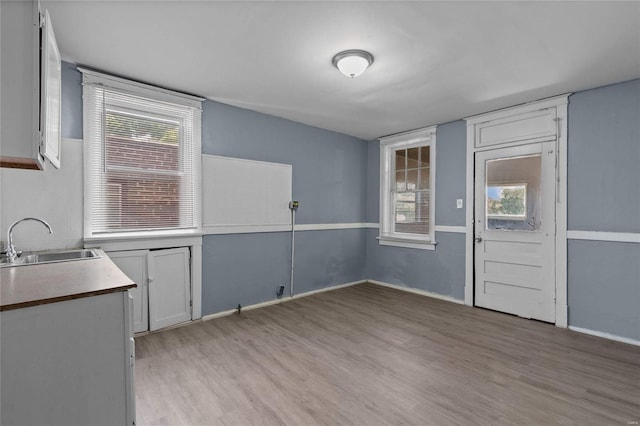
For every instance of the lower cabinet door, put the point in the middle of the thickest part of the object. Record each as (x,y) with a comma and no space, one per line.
(130,373)
(169,287)
(134,264)
(66,363)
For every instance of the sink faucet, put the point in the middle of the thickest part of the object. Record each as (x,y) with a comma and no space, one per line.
(11,250)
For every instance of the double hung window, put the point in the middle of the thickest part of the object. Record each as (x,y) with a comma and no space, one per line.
(407,189)
(142,151)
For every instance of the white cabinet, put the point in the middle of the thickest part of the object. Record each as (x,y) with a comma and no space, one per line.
(163,295)
(169,289)
(50,94)
(134,264)
(68,363)
(30,84)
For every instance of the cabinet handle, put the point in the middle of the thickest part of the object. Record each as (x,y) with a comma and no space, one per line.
(132,349)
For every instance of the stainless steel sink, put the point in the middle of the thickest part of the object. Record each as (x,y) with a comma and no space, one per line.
(36,258)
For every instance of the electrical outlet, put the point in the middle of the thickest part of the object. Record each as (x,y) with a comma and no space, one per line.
(459,203)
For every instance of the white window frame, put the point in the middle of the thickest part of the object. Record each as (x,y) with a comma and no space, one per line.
(91,77)
(388,145)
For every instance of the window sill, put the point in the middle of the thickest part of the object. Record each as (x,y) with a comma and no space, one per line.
(406,243)
(144,240)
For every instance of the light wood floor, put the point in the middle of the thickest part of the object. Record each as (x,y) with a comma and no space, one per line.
(368,355)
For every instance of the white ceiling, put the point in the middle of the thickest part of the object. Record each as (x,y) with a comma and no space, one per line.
(434,61)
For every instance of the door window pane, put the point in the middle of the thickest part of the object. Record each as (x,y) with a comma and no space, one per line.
(512,193)
(507,201)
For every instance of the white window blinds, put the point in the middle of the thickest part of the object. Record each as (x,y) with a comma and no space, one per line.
(142,156)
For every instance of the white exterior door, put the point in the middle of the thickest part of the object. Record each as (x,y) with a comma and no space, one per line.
(134,264)
(514,250)
(169,287)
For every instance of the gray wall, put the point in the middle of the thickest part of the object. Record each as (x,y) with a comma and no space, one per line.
(71,101)
(604,159)
(451,175)
(248,268)
(336,179)
(243,269)
(329,180)
(604,195)
(604,287)
(441,270)
(373,182)
(329,169)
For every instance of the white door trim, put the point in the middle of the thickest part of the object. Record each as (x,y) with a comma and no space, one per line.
(560,104)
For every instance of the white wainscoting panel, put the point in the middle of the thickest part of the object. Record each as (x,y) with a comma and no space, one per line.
(244,193)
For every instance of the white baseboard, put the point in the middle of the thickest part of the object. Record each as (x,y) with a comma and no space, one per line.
(605,335)
(278,301)
(418,291)
(244,308)
(382,284)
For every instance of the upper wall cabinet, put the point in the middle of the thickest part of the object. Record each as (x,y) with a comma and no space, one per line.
(30,87)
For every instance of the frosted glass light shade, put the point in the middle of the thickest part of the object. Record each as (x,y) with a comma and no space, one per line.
(352,63)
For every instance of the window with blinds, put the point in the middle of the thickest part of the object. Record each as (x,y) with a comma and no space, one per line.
(407,189)
(142,149)
(411,190)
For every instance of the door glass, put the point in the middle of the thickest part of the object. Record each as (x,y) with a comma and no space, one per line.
(512,193)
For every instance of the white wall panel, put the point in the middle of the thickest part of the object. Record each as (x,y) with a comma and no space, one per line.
(239,192)
(54,195)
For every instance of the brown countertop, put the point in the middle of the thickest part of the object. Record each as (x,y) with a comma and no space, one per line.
(23,286)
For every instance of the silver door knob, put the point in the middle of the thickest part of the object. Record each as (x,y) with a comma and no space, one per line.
(478,239)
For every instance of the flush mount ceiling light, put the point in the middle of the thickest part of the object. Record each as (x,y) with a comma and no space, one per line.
(352,63)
